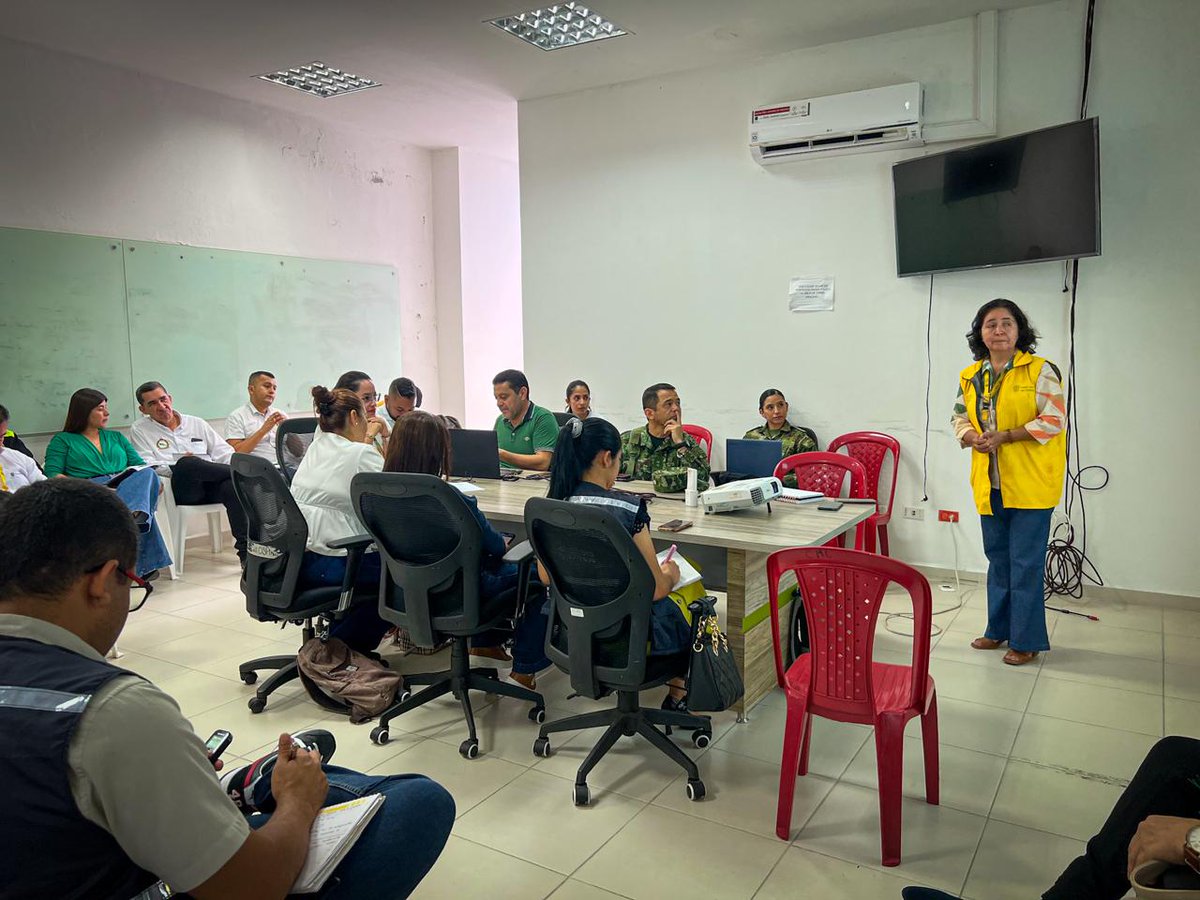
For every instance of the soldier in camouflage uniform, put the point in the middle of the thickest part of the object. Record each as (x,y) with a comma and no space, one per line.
(660,451)
(773,407)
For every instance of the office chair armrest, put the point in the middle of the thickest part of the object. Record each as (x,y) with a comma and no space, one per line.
(519,553)
(358,542)
(355,547)
(522,555)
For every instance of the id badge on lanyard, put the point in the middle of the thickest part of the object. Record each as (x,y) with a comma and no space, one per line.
(987,400)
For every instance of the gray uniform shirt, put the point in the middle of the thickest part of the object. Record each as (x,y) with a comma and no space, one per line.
(140,772)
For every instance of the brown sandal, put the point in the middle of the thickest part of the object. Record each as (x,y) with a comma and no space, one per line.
(1019,657)
(986,643)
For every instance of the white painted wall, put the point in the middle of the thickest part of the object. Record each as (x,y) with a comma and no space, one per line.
(654,249)
(94,149)
(478,251)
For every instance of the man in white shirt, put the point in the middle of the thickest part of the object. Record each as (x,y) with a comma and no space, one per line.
(251,428)
(16,469)
(402,398)
(190,451)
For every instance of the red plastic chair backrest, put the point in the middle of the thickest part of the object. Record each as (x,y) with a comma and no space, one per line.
(702,436)
(824,472)
(842,591)
(871,448)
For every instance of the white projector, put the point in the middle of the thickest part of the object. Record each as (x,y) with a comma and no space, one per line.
(741,495)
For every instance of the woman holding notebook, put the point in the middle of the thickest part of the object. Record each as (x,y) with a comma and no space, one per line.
(587,460)
(86,449)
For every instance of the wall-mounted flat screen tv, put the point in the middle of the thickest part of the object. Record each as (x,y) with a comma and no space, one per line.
(1028,198)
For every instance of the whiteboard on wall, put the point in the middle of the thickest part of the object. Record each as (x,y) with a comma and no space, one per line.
(108,313)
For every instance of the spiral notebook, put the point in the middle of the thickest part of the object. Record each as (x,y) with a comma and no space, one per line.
(334,832)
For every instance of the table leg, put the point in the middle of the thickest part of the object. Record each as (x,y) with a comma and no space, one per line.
(749,630)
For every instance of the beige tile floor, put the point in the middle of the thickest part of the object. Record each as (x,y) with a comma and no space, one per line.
(1031,761)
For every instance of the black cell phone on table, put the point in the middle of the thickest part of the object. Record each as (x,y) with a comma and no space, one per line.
(217,744)
(830,505)
(674,525)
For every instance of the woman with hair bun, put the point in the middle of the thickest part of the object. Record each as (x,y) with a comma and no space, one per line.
(321,488)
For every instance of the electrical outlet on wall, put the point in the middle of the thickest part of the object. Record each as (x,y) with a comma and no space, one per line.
(947,515)
(915,513)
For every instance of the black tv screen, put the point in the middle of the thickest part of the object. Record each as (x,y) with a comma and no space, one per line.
(1028,198)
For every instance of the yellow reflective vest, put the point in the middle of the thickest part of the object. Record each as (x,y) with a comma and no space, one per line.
(1031,474)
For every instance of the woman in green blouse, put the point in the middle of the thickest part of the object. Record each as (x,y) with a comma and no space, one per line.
(86,449)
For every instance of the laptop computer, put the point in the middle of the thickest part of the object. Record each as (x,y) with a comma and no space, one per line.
(757,458)
(476,453)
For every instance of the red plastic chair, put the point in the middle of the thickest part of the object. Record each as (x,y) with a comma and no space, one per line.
(702,436)
(871,448)
(826,472)
(842,592)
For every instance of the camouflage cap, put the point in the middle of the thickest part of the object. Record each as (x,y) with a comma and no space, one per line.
(670,481)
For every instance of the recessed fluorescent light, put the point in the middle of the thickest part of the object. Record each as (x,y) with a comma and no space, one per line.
(320,80)
(558,26)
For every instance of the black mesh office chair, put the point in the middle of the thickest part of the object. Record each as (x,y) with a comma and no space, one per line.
(292,440)
(562,418)
(432,548)
(600,592)
(276,537)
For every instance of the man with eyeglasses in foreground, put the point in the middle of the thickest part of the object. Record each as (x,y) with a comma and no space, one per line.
(108,789)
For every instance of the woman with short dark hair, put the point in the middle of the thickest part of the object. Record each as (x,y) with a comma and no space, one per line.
(86,449)
(1011,412)
(420,444)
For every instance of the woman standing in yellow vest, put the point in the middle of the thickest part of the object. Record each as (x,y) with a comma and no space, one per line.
(1010,411)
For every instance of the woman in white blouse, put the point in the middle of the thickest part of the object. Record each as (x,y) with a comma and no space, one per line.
(321,488)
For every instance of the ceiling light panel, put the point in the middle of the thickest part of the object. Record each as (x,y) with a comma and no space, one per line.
(320,80)
(559,26)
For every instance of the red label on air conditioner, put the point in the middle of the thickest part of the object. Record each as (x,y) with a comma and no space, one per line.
(770,112)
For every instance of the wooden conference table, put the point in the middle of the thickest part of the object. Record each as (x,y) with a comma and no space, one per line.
(730,549)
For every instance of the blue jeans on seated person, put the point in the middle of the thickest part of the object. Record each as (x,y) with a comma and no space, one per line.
(362,628)
(397,848)
(529,631)
(669,631)
(140,493)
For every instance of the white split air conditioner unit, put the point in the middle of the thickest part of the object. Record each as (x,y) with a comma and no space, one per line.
(877,119)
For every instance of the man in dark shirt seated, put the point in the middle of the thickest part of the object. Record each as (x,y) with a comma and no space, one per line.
(107,787)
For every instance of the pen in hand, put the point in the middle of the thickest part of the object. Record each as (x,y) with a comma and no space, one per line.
(670,553)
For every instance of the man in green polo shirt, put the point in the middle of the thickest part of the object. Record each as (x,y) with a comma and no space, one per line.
(526,433)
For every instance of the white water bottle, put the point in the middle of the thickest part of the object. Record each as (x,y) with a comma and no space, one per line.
(691,497)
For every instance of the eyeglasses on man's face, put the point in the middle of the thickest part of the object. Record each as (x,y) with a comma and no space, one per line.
(139,588)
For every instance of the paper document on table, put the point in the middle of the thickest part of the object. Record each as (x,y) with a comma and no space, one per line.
(467,487)
(798,496)
(333,834)
(687,572)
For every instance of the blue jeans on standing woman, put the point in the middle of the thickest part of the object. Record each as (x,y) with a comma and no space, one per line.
(1014,541)
(399,845)
(140,493)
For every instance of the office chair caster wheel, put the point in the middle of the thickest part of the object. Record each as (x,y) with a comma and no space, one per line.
(580,795)
(541,747)
(537,714)
(249,677)
(257,704)
(404,695)
(695,789)
(701,739)
(469,749)
(379,735)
